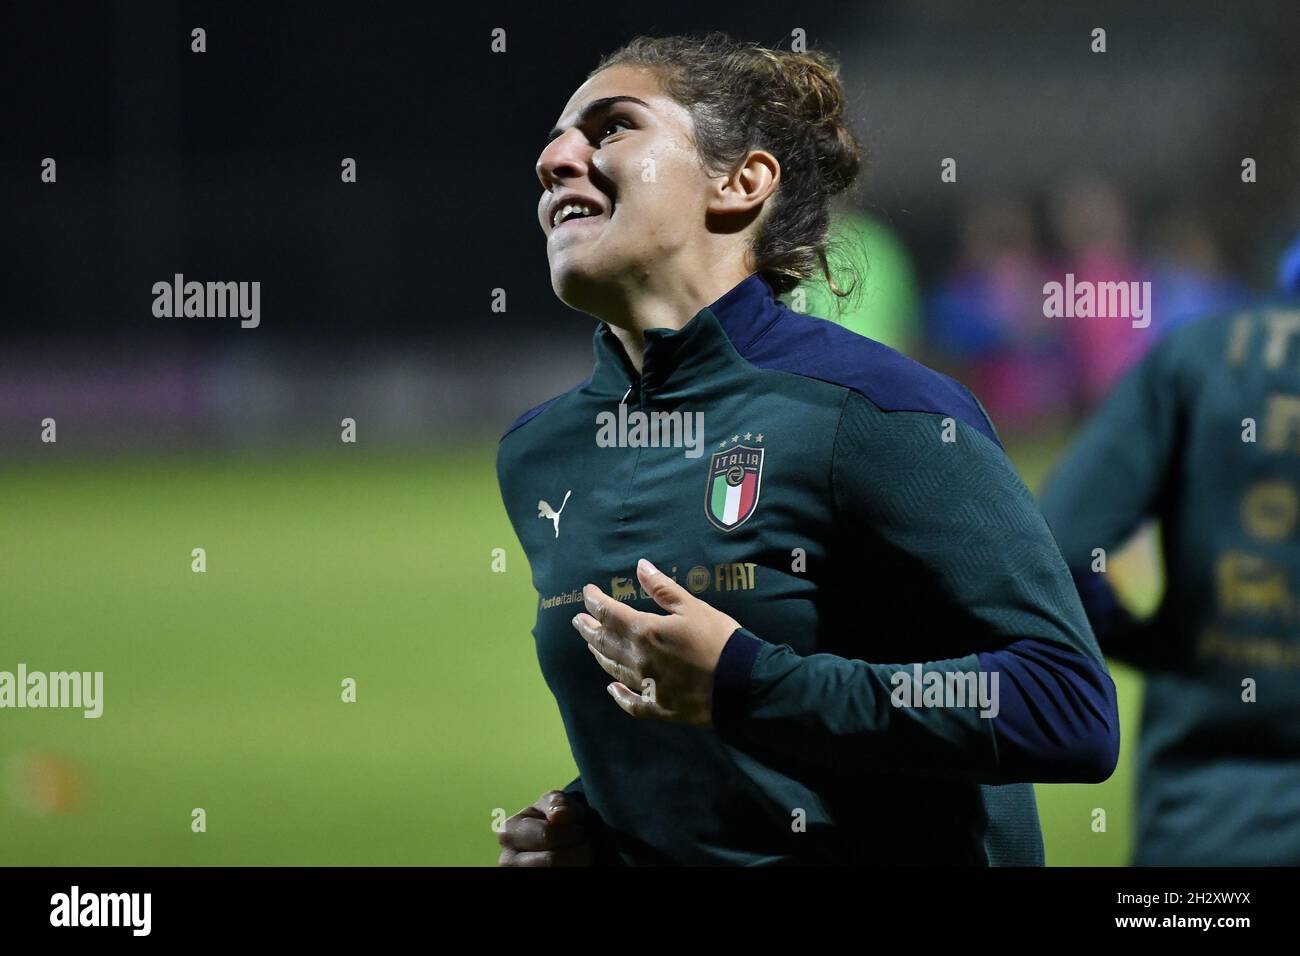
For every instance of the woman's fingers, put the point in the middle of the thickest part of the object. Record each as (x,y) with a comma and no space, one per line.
(636,705)
(552,802)
(614,669)
(582,855)
(607,639)
(666,592)
(614,616)
(533,833)
(551,823)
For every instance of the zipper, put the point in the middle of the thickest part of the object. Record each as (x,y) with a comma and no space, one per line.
(636,457)
(640,396)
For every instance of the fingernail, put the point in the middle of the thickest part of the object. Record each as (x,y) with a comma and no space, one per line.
(647,567)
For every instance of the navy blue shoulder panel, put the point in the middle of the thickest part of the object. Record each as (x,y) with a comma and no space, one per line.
(532,413)
(816,348)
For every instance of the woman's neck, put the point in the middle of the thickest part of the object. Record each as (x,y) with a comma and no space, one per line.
(667,308)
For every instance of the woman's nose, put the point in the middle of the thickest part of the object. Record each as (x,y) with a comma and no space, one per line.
(564,157)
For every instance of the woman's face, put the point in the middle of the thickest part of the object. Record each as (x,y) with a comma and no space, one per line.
(625,148)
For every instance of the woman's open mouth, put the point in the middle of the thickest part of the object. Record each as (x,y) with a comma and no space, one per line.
(576,223)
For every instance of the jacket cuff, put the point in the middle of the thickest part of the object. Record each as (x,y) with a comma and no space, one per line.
(731,678)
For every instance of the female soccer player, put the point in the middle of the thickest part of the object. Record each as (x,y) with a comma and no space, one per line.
(795,605)
(1219,754)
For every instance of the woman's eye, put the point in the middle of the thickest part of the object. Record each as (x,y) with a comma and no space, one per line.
(612,126)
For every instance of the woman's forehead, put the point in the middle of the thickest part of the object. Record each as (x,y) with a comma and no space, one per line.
(620,80)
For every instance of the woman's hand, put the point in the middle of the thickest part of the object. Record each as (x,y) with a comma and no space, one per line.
(662,664)
(549,833)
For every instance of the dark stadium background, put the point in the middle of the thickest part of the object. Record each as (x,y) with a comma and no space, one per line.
(373,560)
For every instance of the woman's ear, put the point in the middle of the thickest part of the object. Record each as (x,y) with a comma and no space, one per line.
(748,186)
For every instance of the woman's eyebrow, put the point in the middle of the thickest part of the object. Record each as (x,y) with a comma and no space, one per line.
(596,106)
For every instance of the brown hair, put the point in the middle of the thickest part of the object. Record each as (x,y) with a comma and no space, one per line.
(743,96)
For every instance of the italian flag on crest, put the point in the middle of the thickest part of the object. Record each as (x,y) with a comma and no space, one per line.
(735,478)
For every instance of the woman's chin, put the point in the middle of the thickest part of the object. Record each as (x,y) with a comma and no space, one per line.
(577,287)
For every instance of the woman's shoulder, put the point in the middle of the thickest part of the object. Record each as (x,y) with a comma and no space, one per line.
(887,379)
(538,410)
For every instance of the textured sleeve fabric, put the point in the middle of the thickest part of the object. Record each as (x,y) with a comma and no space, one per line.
(1111,480)
(946,514)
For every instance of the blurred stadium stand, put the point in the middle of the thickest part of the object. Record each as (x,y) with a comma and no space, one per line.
(376,296)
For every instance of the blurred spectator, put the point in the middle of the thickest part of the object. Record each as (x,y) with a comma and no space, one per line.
(885,305)
(1188,276)
(1091,222)
(987,316)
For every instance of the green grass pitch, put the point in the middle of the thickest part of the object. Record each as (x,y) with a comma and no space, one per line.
(222,689)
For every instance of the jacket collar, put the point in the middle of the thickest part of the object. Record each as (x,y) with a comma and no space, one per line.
(717,336)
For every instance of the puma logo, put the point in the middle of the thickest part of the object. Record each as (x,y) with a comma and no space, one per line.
(544,510)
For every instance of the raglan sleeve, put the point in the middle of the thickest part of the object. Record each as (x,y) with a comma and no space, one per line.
(941,505)
(1110,481)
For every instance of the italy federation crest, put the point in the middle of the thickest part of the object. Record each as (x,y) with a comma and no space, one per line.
(735,478)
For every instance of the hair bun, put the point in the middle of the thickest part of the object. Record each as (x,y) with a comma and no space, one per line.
(818,98)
